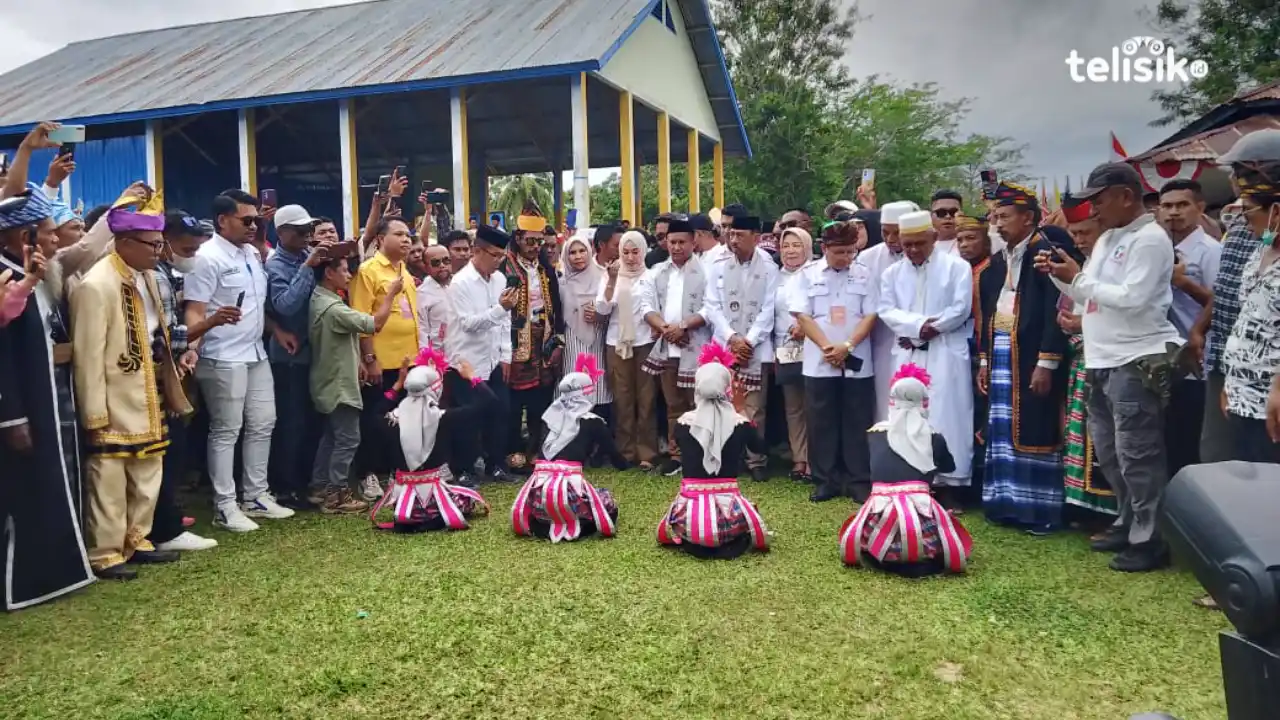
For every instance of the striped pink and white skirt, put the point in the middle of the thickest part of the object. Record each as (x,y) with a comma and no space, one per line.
(558,503)
(901,528)
(713,515)
(425,500)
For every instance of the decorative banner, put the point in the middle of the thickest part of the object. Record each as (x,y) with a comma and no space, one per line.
(1155,175)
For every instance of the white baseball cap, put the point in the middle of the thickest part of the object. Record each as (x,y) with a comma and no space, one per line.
(293,215)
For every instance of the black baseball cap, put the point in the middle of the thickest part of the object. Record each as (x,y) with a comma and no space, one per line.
(1117,174)
(178,223)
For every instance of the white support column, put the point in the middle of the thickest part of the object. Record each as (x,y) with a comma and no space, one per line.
(248,151)
(350,168)
(461,156)
(581,161)
(155,154)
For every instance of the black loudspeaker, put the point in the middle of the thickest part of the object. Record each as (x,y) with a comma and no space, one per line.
(1223,520)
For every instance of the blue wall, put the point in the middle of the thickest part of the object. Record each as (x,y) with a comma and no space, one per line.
(104,168)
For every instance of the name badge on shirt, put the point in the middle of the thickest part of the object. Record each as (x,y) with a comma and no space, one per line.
(838,315)
(1091,307)
(789,354)
(406,312)
(1008,298)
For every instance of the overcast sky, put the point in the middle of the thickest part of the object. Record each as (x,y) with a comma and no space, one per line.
(1007,55)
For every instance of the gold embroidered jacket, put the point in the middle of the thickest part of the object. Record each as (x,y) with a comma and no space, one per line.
(119,386)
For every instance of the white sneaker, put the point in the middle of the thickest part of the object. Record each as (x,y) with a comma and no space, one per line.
(232,519)
(265,506)
(189,542)
(370,488)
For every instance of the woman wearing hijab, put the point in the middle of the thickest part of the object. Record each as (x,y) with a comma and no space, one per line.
(795,250)
(629,340)
(557,502)
(584,329)
(901,528)
(710,518)
(420,494)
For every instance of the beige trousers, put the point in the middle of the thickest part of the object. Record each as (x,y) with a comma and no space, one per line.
(679,401)
(797,428)
(121,503)
(634,399)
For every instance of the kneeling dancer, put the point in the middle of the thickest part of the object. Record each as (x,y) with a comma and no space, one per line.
(420,493)
(901,528)
(710,518)
(557,502)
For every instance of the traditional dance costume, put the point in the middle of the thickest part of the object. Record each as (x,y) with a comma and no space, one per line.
(420,494)
(901,528)
(710,518)
(557,502)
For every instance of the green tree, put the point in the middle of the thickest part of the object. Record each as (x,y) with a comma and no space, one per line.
(1238,40)
(510,194)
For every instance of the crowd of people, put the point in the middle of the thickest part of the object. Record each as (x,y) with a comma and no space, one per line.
(919,360)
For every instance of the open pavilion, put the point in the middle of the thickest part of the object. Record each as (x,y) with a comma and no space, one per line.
(318,103)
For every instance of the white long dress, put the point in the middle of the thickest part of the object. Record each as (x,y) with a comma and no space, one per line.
(942,289)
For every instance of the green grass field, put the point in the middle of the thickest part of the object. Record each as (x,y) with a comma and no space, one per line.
(321,617)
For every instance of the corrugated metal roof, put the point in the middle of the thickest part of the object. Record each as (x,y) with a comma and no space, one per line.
(387,42)
(1208,145)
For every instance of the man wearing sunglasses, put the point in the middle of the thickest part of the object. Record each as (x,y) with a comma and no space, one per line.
(945,206)
(433,303)
(234,373)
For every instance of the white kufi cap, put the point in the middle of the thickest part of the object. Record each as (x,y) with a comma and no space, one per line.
(892,212)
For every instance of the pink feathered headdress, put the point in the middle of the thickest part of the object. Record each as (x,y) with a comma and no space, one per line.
(911,370)
(430,356)
(589,366)
(714,352)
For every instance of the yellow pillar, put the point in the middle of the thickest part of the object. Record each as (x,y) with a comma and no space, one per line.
(664,163)
(639,218)
(627,164)
(718,160)
(695,168)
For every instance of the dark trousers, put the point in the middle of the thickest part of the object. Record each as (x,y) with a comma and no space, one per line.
(489,438)
(1183,421)
(297,430)
(527,407)
(840,410)
(167,522)
(1253,444)
(374,455)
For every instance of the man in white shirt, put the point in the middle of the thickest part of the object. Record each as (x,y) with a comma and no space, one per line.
(233,373)
(671,296)
(926,299)
(739,306)
(946,206)
(878,259)
(433,305)
(833,300)
(1195,270)
(480,320)
(706,240)
(1125,291)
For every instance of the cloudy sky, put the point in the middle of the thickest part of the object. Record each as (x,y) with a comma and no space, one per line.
(1008,56)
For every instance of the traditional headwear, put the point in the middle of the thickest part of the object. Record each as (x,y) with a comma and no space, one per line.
(419,413)
(62,213)
(1012,194)
(713,418)
(914,222)
(623,296)
(132,214)
(21,214)
(1076,210)
(908,429)
(563,417)
(891,213)
(971,222)
(679,225)
(492,236)
(746,222)
(531,219)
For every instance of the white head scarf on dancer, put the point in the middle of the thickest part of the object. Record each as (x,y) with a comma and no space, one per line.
(908,429)
(713,418)
(418,415)
(562,418)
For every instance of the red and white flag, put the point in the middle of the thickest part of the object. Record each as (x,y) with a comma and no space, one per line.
(1117,150)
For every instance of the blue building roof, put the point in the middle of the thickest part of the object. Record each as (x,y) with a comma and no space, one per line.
(365,48)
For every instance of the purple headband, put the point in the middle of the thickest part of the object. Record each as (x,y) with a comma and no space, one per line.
(124,219)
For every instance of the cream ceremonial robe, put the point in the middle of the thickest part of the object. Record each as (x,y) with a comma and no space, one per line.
(878,260)
(942,289)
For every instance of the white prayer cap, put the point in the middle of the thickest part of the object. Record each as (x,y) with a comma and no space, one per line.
(914,222)
(892,212)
